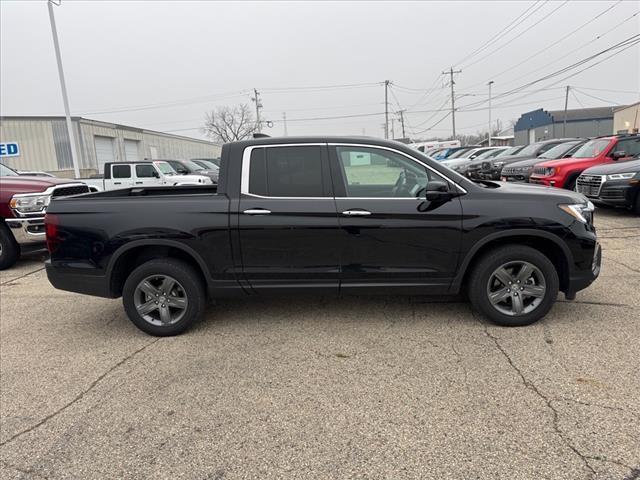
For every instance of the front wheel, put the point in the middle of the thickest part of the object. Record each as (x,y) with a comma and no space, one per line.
(163,297)
(9,249)
(514,285)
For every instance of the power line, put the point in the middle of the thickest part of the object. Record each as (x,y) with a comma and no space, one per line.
(519,35)
(552,44)
(635,92)
(322,87)
(596,98)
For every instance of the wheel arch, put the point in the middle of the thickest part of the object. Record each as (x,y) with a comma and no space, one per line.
(135,253)
(545,242)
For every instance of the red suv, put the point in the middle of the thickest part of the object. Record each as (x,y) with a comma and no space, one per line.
(563,173)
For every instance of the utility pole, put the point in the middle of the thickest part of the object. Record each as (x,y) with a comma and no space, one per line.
(566,104)
(284,120)
(63,86)
(393,128)
(490,127)
(401,113)
(256,99)
(453,99)
(386,109)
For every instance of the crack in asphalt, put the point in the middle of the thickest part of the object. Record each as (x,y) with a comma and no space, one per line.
(531,386)
(604,304)
(596,405)
(24,471)
(623,264)
(8,282)
(79,397)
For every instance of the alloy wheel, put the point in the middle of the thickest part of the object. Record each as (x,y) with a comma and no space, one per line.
(160,300)
(516,288)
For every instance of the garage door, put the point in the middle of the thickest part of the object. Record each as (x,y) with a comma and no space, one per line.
(104,151)
(131,150)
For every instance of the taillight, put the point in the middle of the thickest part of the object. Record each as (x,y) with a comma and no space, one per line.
(52,231)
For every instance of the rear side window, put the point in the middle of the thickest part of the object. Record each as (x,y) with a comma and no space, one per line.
(145,171)
(286,172)
(121,171)
(630,146)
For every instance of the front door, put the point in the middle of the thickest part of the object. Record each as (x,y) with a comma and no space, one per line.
(287,221)
(392,237)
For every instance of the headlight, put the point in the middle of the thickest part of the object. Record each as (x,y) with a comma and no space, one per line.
(620,176)
(499,164)
(30,203)
(549,171)
(580,211)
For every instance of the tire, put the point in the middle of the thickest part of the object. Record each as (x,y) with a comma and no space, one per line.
(571,184)
(543,282)
(150,280)
(9,248)
(637,204)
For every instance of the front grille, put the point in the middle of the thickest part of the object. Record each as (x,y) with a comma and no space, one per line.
(589,185)
(538,171)
(72,190)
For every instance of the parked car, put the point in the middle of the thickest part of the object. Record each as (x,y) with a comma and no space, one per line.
(491,169)
(189,167)
(141,174)
(616,184)
(324,214)
(23,202)
(564,173)
(458,164)
(470,169)
(521,171)
(447,152)
(215,161)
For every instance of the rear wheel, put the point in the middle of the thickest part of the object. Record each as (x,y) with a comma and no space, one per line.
(9,249)
(637,205)
(163,297)
(514,285)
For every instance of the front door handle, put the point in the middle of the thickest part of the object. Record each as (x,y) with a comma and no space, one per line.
(138,183)
(356,213)
(257,211)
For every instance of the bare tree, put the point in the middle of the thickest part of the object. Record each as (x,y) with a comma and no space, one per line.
(229,124)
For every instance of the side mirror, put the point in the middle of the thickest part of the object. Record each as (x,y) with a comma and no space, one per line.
(437,190)
(618,154)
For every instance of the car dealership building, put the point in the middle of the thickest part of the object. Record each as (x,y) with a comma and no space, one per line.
(42,143)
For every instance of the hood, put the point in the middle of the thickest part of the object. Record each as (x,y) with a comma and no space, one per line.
(528,162)
(190,178)
(26,184)
(616,167)
(512,159)
(455,162)
(560,194)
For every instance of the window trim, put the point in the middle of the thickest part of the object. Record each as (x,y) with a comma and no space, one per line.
(246,163)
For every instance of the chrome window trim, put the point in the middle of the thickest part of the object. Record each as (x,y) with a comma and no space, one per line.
(246,163)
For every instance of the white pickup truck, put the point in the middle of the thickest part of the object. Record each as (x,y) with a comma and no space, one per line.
(141,174)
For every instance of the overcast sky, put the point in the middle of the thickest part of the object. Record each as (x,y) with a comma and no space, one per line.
(161,65)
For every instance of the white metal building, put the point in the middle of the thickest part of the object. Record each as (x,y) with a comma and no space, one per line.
(43,144)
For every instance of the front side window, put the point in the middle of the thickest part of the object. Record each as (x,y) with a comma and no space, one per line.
(591,149)
(145,171)
(376,173)
(286,171)
(121,171)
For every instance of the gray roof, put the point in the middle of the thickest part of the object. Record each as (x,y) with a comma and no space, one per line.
(583,114)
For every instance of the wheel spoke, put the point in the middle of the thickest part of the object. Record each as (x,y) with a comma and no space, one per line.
(517,305)
(179,302)
(167,285)
(504,276)
(149,289)
(499,296)
(165,315)
(533,291)
(524,273)
(147,307)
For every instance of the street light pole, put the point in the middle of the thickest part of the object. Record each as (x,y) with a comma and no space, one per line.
(490,83)
(63,86)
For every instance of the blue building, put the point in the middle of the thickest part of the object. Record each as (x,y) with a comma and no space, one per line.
(583,122)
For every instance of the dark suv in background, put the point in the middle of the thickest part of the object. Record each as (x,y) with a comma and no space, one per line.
(520,171)
(615,184)
(190,167)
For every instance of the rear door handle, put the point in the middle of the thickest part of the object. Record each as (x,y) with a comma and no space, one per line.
(356,213)
(257,211)
(117,183)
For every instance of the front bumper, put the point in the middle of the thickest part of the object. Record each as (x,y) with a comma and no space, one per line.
(27,231)
(618,194)
(581,279)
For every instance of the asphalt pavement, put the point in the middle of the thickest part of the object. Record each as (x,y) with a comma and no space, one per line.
(318,387)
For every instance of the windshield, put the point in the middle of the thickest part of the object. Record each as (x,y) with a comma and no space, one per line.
(529,150)
(206,164)
(459,153)
(191,166)
(510,151)
(558,151)
(591,149)
(6,171)
(165,168)
(489,154)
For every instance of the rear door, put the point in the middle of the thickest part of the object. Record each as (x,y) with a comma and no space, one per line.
(391,236)
(287,221)
(121,176)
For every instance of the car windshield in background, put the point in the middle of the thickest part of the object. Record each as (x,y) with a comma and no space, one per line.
(558,151)
(488,154)
(165,168)
(7,172)
(206,164)
(510,151)
(192,165)
(459,153)
(529,150)
(591,149)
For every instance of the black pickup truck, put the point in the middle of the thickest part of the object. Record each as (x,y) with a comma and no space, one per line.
(332,215)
